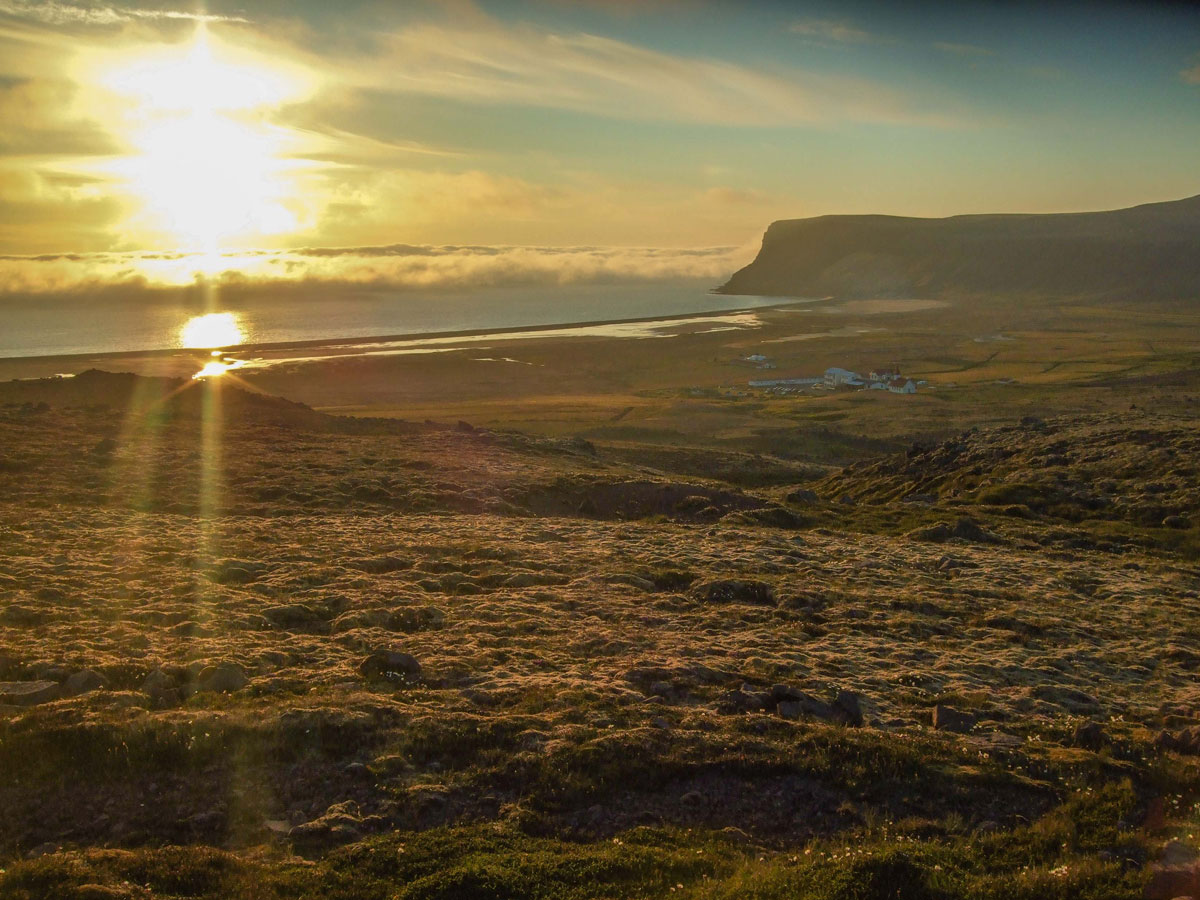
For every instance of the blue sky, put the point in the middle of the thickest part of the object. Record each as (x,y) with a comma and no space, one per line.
(680,123)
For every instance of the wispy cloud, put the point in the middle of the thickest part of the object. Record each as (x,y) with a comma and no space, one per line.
(51,13)
(578,71)
(1192,75)
(842,32)
(837,31)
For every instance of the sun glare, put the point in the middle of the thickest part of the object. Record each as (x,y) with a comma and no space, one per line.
(216,367)
(207,168)
(211,330)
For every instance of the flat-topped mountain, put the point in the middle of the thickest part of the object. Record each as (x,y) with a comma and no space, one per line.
(1144,252)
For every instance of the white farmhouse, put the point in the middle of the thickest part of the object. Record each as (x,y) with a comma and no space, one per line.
(907,388)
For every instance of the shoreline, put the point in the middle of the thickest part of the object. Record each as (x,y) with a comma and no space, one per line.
(343,342)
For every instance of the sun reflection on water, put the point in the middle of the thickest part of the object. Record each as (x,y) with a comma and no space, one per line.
(212,330)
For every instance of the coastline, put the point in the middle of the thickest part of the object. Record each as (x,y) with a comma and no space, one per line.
(48,365)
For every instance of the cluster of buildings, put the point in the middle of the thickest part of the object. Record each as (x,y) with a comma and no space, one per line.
(834,377)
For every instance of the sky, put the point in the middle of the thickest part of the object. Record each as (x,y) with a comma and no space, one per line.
(458,142)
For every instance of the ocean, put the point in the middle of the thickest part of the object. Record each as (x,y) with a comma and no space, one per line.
(88,324)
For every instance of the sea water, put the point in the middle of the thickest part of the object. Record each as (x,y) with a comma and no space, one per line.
(91,324)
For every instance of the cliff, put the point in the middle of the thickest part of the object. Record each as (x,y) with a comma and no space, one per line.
(1150,251)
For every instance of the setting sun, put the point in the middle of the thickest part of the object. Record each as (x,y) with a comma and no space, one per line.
(211,330)
(207,167)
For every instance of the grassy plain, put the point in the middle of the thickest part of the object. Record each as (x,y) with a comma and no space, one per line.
(986,362)
(652,633)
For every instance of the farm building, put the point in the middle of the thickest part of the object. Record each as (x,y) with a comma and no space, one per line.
(786,382)
(835,376)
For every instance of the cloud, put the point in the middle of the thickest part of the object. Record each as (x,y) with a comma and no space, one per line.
(40,121)
(837,31)
(1191,76)
(42,208)
(588,73)
(363,165)
(362,203)
(394,267)
(51,13)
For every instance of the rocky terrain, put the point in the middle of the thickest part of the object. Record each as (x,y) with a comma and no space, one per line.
(1104,481)
(251,650)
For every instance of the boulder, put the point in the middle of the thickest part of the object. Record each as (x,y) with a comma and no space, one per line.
(294,616)
(937,534)
(969,530)
(790,709)
(222,678)
(965,529)
(391,665)
(1185,741)
(49,672)
(847,709)
(84,682)
(947,718)
(1089,736)
(660,689)
(802,495)
(28,693)
(742,701)
(161,688)
(786,692)
(805,706)
(158,682)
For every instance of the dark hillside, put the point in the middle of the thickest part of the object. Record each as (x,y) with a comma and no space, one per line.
(1145,252)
